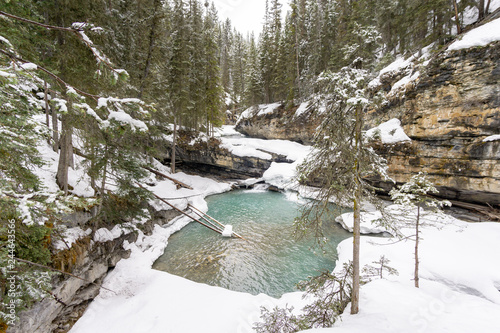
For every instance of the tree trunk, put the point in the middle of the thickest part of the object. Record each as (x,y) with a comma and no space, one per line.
(46,100)
(457,20)
(357,217)
(416,247)
(480,6)
(47,107)
(174,146)
(152,42)
(55,130)
(104,172)
(65,156)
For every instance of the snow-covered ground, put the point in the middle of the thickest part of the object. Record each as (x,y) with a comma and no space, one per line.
(460,279)
(481,36)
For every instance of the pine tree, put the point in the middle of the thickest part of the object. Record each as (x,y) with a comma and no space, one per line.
(415,194)
(213,89)
(240,61)
(340,161)
(253,85)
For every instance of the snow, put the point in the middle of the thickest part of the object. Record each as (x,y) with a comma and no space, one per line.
(397,65)
(480,36)
(492,138)
(460,278)
(104,235)
(261,148)
(29,66)
(267,108)
(126,119)
(404,81)
(368,222)
(226,130)
(389,132)
(228,231)
(7,75)
(70,235)
(303,107)
(459,270)
(260,110)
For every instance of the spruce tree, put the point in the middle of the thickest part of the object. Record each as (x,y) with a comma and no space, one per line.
(340,161)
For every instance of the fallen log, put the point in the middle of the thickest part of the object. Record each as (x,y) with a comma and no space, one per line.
(158,173)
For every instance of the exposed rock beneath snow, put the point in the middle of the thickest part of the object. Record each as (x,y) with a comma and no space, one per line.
(90,260)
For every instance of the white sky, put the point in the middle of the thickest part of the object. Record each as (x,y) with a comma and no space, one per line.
(245,15)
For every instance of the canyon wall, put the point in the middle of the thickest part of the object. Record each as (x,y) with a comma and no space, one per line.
(448,112)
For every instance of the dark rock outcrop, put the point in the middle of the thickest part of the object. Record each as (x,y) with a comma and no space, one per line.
(282,124)
(214,160)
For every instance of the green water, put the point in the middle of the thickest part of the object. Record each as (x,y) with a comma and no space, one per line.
(270,262)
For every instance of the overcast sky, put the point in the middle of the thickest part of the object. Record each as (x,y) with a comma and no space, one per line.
(245,15)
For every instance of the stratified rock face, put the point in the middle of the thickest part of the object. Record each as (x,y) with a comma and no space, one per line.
(281,124)
(450,111)
(447,112)
(217,161)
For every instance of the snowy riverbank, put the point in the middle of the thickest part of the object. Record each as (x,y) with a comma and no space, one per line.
(460,279)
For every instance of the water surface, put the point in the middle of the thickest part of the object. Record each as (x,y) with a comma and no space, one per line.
(271,261)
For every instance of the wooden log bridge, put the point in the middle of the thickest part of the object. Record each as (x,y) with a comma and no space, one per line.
(207,217)
(209,223)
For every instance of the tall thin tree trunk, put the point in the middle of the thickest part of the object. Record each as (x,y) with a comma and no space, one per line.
(174,146)
(480,6)
(457,20)
(357,217)
(416,247)
(46,100)
(152,42)
(297,56)
(47,107)
(55,130)
(64,155)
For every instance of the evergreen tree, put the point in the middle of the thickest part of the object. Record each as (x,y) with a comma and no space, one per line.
(253,85)
(340,161)
(213,89)
(415,195)
(240,61)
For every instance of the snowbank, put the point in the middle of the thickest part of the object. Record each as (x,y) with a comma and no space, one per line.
(303,108)
(389,132)
(480,36)
(492,138)
(259,110)
(261,148)
(71,235)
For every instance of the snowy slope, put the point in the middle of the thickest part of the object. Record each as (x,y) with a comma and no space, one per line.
(460,278)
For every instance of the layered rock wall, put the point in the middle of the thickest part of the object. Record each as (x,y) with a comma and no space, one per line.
(447,112)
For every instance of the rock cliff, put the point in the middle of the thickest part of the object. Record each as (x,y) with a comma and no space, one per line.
(88,263)
(447,111)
